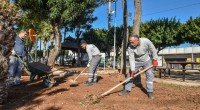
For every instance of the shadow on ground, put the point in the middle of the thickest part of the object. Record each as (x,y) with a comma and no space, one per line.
(25,96)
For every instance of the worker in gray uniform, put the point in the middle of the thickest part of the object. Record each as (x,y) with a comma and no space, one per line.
(94,60)
(142,53)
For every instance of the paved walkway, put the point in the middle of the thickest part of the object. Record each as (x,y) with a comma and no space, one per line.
(192,78)
(178,82)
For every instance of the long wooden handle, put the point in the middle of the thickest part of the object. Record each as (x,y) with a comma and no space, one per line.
(105,93)
(80,74)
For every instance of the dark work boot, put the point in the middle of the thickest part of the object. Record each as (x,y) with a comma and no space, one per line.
(124,92)
(150,95)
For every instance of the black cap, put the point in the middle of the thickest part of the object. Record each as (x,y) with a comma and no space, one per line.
(83,42)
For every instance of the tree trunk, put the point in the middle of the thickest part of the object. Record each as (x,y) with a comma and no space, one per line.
(108,58)
(109,26)
(56,50)
(137,17)
(44,49)
(79,51)
(136,24)
(7,40)
(109,14)
(36,49)
(117,55)
(122,61)
(123,70)
(78,33)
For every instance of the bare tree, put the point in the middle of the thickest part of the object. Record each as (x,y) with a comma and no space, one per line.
(124,42)
(137,17)
(57,48)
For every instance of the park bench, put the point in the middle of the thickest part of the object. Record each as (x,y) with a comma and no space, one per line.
(183,69)
(164,70)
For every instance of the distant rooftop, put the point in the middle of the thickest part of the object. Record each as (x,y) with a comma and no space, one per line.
(185,50)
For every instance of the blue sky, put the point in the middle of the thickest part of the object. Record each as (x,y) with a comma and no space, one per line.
(151,9)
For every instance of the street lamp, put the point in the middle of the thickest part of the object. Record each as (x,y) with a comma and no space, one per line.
(114,61)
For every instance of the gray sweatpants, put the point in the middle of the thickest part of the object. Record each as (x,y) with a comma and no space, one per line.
(93,68)
(149,76)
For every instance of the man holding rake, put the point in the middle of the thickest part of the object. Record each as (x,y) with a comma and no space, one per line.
(142,53)
(94,60)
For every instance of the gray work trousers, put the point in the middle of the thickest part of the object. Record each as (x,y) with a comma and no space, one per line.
(15,69)
(149,76)
(94,63)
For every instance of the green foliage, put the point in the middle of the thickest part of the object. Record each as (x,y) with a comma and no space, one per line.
(103,38)
(40,53)
(191,31)
(162,32)
(96,37)
(57,11)
(43,15)
(68,13)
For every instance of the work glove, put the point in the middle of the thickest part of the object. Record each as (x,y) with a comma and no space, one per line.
(132,73)
(13,52)
(88,65)
(155,63)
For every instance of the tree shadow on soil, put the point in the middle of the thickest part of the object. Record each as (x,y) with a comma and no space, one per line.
(57,91)
(99,78)
(60,80)
(26,96)
(77,83)
(142,89)
(137,83)
(53,108)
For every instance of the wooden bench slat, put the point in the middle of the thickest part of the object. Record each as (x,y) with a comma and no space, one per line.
(172,68)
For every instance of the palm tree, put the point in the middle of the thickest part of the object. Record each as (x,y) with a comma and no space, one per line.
(7,38)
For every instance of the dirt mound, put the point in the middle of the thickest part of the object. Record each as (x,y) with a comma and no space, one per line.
(90,100)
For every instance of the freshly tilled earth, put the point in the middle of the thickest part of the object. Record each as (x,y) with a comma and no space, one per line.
(62,96)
